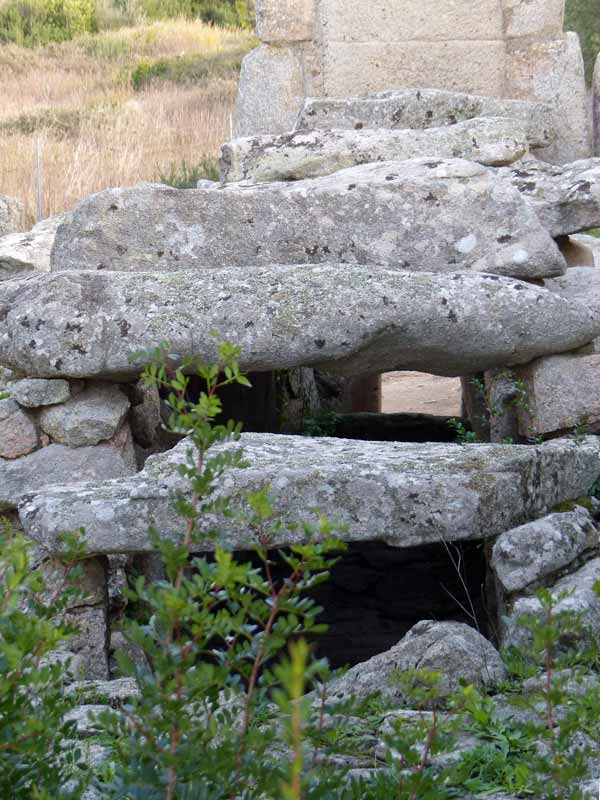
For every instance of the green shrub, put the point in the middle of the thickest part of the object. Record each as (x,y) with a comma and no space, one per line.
(226,13)
(583,16)
(32,23)
(216,628)
(186,176)
(33,761)
(194,69)
(38,22)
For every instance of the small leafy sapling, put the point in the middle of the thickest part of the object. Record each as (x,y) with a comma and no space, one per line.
(560,763)
(501,761)
(463,434)
(205,724)
(34,763)
(415,739)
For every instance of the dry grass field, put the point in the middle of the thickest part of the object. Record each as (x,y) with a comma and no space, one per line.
(115,108)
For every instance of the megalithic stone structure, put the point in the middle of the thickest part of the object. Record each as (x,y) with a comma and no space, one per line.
(337,48)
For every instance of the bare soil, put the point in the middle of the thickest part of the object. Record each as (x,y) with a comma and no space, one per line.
(418,392)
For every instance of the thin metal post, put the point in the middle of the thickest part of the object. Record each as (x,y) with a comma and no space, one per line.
(38,180)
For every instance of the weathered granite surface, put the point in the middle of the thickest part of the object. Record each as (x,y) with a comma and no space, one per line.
(11,214)
(94,415)
(551,70)
(581,284)
(533,551)
(566,199)
(491,141)
(36,392)
(18,434)
(345,318)
(573,593)
(402,494)
(562,394)
(30,251)
(458,652)
(57,464)
(434,215)
(424,108)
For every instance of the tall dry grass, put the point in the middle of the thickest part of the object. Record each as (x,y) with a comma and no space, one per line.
(77,102)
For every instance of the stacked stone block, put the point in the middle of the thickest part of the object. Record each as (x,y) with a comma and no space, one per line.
(561,551)
(57,431)
(501,48)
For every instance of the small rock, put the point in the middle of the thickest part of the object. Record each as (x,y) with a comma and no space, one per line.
(35,392)
(562,394)
(463,740)
(85,720)
(113,693)
(91,584)
(11,214)
(458,652)
(72,663)
(91,639)
(57,464)
(145,415)
(122,441)
(87,419)
(119,643)
(29,252)
(92,754)
(6,378)
(537,549)
(566,199)
(18,433)
(578,596)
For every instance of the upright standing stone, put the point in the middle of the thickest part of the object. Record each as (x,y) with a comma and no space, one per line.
(552,71)
(561,393)
(11,215)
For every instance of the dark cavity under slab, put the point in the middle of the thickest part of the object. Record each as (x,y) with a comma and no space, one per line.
(377,593)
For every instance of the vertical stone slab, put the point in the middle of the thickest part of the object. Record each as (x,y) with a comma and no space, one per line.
(271,91)
(562,394)
(475,405)
(552,71)
(502,394)
(285,20)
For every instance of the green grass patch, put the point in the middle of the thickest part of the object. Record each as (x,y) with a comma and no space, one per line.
(181,175)
(192,69)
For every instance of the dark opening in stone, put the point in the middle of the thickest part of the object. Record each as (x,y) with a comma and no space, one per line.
(376,593)
(255,408)
(260,411)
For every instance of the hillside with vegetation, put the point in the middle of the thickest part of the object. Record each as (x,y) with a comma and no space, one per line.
(148,100)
